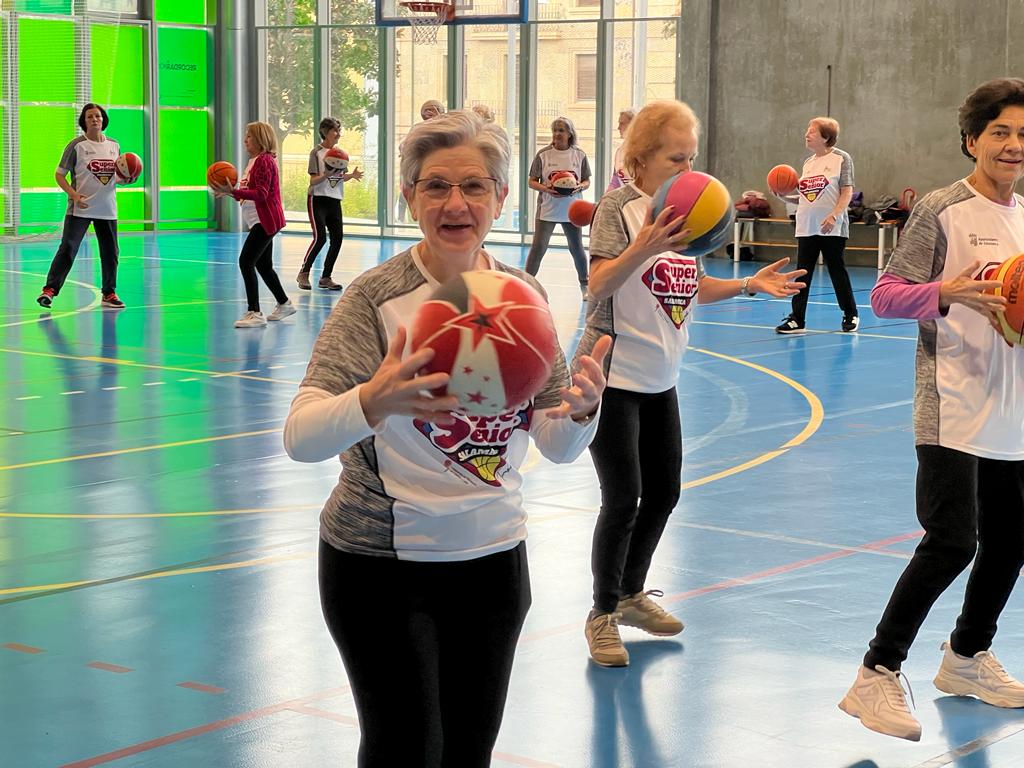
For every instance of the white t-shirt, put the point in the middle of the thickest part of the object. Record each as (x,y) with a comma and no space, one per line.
(549,160)
(334,184)
(91,165)
(970,383)
(649,315)
(620,176)
(818,190)
(249,215)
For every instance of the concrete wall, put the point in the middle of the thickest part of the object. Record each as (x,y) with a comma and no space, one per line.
(900,70)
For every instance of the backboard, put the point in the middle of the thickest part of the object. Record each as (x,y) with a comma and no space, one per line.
(391,14)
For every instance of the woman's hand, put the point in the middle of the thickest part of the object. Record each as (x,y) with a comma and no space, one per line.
(395,389)
(80,200)
(828,224)
(220,190)
(580,401)
(775,283)
(665,233)
(964,289)
(356,174)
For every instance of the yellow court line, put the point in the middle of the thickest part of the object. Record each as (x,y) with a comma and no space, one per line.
(148,515)
(151,366)
(140,449)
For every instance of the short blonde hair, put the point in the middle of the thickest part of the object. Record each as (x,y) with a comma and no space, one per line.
(485,112)
(263,137)
(645,131)
(828,128)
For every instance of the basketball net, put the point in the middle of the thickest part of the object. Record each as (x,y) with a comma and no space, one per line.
(426,17)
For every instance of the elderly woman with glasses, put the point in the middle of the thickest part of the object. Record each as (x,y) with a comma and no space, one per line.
(423,573)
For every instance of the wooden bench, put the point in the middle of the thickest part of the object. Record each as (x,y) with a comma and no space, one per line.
(748,237)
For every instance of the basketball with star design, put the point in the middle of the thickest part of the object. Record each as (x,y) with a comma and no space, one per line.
(493,334)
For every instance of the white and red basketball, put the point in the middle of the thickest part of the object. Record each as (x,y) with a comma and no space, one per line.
(493,333)
(336,159)
(128,167)
(564,182)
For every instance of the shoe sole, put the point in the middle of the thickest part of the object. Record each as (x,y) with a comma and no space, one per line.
(330,287)
(650,631)
(851,706)
(305,287)
(790,333)
(956,687)
(44,306)
(610,664)
(278,319)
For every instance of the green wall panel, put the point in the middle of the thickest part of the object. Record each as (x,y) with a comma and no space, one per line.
(131,207)
(184,67)
(128,127)
(184,147)
(43,207)
(46,60)
(118,65)
(43,132)
(181,11)
(44,6)
(185,204)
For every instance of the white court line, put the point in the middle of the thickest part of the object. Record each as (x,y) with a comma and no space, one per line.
(97,297)
(29,397)
(251,370)
(74,392)
(153,384)
(982,742)
(111,389)
(809,331)
(194,379)
(274,367)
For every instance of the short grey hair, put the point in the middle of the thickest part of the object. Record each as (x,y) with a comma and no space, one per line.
(460,127)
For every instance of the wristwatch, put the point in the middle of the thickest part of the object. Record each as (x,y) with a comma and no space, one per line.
(745,287)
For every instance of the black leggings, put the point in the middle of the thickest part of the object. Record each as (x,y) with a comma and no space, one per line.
(831,250)
(428,648)
(638,454)
(965,504)
(324,216)
(539,246)
(258,256)
(75,228)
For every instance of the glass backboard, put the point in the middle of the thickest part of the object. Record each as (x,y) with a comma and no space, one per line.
(391,14)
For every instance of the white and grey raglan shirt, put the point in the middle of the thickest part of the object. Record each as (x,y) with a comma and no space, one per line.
(333,185)
(91,165)
(821,181)
(408,488)
(969,394)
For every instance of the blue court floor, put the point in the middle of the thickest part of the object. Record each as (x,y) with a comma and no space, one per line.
(158,599)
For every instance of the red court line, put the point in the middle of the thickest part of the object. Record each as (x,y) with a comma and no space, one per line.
(201,687)
(108,667)
(21,648)
(323,713)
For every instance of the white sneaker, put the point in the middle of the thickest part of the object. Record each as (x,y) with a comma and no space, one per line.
(640,611)
(876,697)
(981,675)
(281,311)
(251,320)
(606,648)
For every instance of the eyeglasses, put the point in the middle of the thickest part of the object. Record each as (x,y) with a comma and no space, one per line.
(473,188)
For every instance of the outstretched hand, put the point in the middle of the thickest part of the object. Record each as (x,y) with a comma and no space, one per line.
(220,190)
(584,396)
(395,389)
(775,283)
(964,289)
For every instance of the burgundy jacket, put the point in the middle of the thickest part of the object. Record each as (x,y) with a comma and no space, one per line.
(265,190)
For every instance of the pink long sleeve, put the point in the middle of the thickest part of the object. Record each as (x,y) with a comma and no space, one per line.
(895,296)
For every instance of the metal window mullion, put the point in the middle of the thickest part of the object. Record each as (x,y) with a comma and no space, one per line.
(385,139)
(456,71)
(528,119)
(12,175)
(605,62)
(150,111)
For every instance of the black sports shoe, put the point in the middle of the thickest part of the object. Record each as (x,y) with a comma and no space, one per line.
(45,299)
(850,324)
(790,325)
(111,301)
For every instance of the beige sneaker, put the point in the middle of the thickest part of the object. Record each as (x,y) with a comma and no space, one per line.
(981,675)
(281,311)
(876,697)
(640,611)
(302,280)
(606,648)
(251,320)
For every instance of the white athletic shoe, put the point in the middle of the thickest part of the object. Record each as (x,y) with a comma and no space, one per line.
(251,320)
(876,697)
(981,675)
(281,311)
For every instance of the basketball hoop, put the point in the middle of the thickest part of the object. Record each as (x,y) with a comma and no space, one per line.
(426,17)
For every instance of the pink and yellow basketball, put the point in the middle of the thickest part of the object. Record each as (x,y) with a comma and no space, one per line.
(1011,274)
(564,182)
(336,159)
(221,173)
(493,334)
(782,179)
(128,167)
(705,203)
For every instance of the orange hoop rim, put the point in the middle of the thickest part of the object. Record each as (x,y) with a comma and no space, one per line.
(438,8)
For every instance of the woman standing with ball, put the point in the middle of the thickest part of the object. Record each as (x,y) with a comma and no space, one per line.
(92,199)
(643,289)
(434,544)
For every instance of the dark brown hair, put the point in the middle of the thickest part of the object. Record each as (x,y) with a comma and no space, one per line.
(984,104)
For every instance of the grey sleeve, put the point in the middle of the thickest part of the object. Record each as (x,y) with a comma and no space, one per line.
(314,163)
(537,167)
(701,272)
(584,168)
(608,235)
(350,347)
(69,159)
(920,255)
(846,172)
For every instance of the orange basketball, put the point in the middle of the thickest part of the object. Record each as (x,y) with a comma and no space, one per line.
(782,179)
(1011,275)
(221,172)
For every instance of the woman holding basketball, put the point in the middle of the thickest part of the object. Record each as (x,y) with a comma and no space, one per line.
(563,154)
(968,419)
(423,573)
(326,190)
(641,278)
(92,199)
(259,192)
(823,222)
